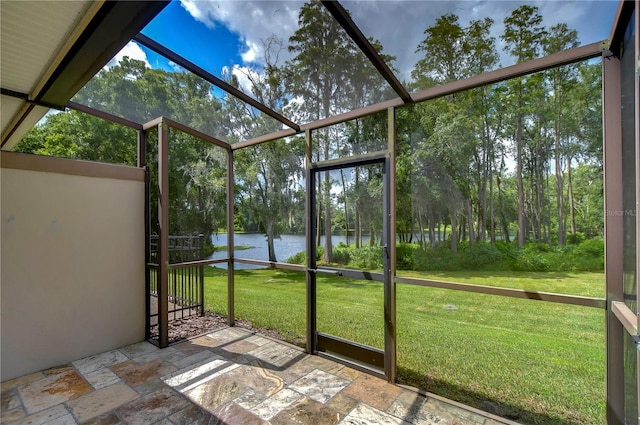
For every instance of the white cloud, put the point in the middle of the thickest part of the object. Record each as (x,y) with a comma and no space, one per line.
(133,51)
(254,51)
(199,13)
(244,76)
(252,21)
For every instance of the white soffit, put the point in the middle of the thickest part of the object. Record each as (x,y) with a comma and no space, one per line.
(34,36)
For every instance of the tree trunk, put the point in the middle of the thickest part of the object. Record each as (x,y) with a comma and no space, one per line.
(421,241)
(319,206)
(492,218)
(503,220)
(357,230)
(346,216)
(559,190)
(328,245)
(432,237)
(472,237)
(270,230)
(522,230)
(572,205)
(454,232)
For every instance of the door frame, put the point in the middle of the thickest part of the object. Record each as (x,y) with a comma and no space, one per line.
(377,361)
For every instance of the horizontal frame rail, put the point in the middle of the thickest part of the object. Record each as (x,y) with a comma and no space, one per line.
(185,129)
(352,161)
(370,356)
(196,263)
(190,263)
(350,273)
(103,115)
(626,316)
(271,264)
(565,57)
(508,292)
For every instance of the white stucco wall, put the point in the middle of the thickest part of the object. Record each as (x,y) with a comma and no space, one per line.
(72,266)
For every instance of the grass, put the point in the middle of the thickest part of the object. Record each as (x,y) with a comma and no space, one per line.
(534,362)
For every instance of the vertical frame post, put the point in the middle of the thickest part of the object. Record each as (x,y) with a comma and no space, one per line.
(142,163)
(636,61)
(613,225)
(230,262)
(201,273)
(310,206)
(163,236)
(389,259)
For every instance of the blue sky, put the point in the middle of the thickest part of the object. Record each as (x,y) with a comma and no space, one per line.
(227,34)
(176,29)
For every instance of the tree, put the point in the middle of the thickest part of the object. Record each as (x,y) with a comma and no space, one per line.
(443,53)
(268,182)
(523,37)
(560,37)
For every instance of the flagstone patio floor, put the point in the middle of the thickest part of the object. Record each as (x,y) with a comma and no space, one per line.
(229,376)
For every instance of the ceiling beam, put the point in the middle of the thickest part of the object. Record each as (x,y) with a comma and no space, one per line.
(192,67)
(103,115)
(106,34)
(26,98)
(341,15)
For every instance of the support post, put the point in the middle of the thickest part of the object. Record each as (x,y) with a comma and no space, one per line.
(389,259)
(201,272)
(163,235)
(230,263)
(636,90)
(310,206)
(613,228)
(142,163)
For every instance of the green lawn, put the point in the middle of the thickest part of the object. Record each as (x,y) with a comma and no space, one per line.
(531,361)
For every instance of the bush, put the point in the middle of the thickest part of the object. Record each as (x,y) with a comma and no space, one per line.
(589,255)
(435,259)
(342,254)
(576,239)
(405,253)
(299,258)
(368,257)
(533,257)
(207,248)
(536,247)
(482,256)
(590,248)
(528,261)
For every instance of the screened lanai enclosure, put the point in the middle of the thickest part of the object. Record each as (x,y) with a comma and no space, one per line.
(443,194)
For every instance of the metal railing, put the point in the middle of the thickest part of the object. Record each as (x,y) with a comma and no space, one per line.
(186,275)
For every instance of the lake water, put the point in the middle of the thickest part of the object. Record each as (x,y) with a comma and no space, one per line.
(287,246)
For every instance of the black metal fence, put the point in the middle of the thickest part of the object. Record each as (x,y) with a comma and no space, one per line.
(186,281)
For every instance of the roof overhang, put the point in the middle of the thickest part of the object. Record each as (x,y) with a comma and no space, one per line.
(50,50)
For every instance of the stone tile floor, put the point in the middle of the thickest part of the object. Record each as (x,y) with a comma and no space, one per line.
(229,376)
